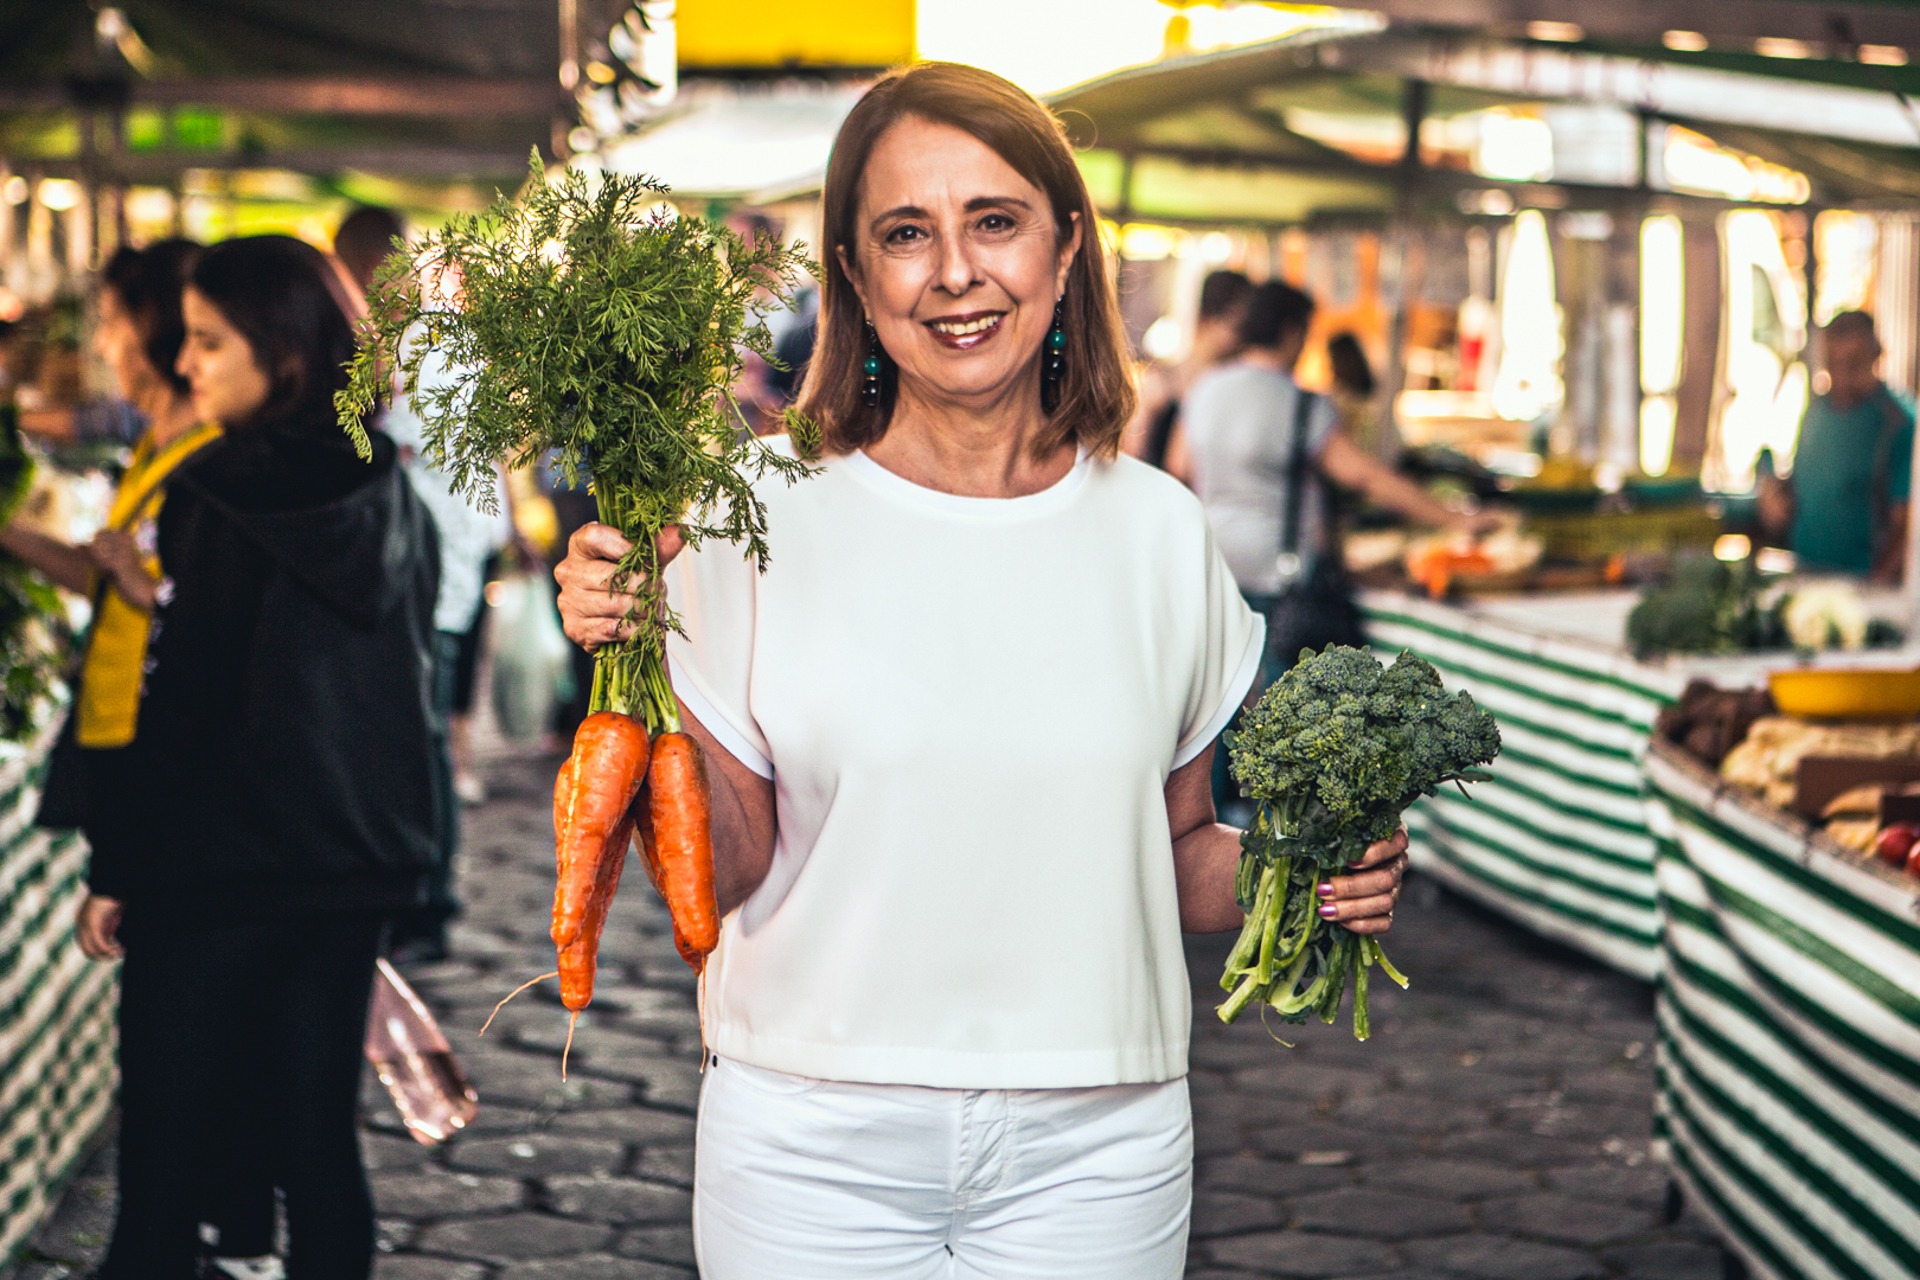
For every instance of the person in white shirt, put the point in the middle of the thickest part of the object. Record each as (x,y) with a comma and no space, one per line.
(960,733)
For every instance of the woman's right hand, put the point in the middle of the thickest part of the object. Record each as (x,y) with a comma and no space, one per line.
(98,927)
(592,613)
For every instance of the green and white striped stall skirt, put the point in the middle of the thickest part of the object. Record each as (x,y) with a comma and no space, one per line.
(1788,1102)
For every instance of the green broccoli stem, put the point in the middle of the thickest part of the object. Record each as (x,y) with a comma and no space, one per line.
(1362,1025)
(1253,929)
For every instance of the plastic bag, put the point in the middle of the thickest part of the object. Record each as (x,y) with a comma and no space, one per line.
(531,667)
(415,1062)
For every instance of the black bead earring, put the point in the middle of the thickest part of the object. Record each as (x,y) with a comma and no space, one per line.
(870,386)
(1054,358)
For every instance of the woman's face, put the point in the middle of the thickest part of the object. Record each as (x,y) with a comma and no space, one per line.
(117,339)
(228,383)
(957,261)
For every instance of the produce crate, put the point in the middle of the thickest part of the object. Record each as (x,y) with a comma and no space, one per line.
(1597,537)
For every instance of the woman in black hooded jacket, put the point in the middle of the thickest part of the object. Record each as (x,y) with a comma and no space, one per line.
(275,806)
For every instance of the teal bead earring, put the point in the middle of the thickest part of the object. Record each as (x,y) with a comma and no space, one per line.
(1053,361)
(870,386)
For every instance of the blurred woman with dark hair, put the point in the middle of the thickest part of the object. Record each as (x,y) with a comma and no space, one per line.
(138,335)
(1216,339)
(274,806)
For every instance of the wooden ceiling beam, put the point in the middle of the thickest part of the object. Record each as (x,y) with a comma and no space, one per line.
(460,97)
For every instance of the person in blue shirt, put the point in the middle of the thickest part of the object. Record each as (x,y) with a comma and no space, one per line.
(1852,471)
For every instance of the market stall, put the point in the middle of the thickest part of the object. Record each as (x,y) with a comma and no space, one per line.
(1789,1015)
(56,1006)
(1559,839)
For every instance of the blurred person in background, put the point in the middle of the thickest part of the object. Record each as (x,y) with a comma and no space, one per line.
(1216,338)
(1356,398)
(1239,427)
(139,334)
(468,538)
(1845,508)
(364,239)
(275,806)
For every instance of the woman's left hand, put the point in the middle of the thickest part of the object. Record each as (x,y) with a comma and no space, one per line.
(1363,900)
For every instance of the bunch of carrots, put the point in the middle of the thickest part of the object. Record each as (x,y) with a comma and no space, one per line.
(586,325)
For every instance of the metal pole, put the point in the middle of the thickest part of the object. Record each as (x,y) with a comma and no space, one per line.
(1415,96)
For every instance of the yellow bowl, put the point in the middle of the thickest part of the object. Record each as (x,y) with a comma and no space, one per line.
(1841,694)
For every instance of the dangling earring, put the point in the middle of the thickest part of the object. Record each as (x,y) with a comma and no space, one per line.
(870,387)
(1055,360)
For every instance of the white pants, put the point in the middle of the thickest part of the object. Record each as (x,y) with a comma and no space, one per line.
(799,1179)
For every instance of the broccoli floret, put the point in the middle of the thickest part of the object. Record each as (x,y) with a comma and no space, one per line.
(1332,753)
(1340,745)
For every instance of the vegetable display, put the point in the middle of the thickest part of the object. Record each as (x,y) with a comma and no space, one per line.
(1714,607)
(1331,754)
(588,326)
(32,629)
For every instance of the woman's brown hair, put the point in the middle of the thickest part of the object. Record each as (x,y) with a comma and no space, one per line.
(1095,395)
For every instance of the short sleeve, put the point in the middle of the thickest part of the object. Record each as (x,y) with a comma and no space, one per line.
(1227,659)
(1900,482)
(1322,417)
(714,589)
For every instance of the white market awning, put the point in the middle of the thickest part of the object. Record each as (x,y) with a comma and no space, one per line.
(751,143)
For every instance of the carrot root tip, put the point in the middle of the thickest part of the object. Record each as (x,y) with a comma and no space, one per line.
(572,1019)
(531,982)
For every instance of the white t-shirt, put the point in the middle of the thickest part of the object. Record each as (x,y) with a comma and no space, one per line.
(1239,421)
(969,708)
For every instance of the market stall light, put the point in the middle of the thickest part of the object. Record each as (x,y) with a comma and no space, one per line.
(1778,47)
(1846,251)
(1146,242)
(1556,32)
(1513,147)
(59,194)
(1527,385)
(15,190)
(1694,163)
(1882,55)
(1684,41)
(1164,339)
(1732,547)
(1662,304)
(1659,418)
(1763,333)
(1216,247)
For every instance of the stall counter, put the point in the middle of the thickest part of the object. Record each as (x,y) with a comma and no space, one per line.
(57,1070)
(1788,1063)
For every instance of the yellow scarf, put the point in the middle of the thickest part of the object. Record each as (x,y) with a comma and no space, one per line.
(114,668)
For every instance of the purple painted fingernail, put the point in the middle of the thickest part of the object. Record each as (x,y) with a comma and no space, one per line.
(1325,890)
(1328,911)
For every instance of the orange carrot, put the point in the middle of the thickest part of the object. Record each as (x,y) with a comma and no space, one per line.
(580,959)
(681,813)
(591,797)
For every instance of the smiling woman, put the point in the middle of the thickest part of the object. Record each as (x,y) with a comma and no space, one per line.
(960,733)
(956,217)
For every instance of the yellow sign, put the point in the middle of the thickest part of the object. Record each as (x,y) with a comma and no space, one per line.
(801,33)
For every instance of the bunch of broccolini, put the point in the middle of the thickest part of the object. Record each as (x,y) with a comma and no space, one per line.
(1332,754)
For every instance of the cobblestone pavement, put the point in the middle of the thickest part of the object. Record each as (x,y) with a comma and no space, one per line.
(1495,1127)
